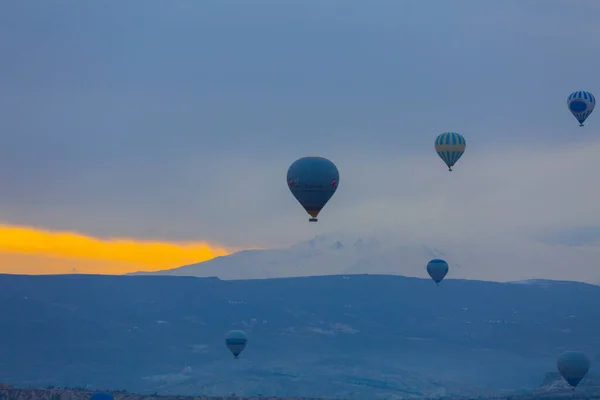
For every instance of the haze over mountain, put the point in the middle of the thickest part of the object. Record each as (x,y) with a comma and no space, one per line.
(385,252)
(359,336)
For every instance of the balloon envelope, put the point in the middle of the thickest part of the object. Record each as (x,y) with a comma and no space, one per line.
(313,181)
(581,104)
(450,146)
(573,366)
(236,341)
(437,269)
(102,396)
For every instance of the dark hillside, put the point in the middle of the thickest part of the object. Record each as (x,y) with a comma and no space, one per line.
(333,336)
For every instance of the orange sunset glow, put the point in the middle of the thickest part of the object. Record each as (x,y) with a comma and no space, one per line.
(26,250)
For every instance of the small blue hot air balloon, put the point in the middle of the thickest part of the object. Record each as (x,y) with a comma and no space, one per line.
(236,341)
(450,146)
(437,270)
(581,104)
(313,181)
(102,396)
(573,366)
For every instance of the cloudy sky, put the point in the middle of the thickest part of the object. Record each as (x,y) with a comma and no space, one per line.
(171,125)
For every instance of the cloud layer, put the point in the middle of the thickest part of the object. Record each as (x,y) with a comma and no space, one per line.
(26,250)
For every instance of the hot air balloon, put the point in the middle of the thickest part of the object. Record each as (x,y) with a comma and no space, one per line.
(450,146)
(581,104)
(236,341)
(437,270)
(573,366)
(312,181)
(102,396)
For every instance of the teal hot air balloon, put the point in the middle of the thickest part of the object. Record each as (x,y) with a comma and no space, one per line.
(236,341)
(581,104)
(102,396)
(437,270)
(450,146)
(573,366)
(313,181)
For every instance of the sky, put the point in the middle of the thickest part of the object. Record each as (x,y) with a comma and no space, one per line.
(147,137)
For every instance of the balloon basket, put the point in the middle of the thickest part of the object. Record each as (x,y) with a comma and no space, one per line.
(313,220)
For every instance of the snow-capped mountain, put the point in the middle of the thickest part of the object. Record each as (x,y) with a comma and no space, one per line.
(387,252)
(323,255)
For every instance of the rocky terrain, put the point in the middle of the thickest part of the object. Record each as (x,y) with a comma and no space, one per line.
(553,388)
(8,392)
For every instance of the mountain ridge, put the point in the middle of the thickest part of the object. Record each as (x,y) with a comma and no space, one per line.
(349,253)
(342,253)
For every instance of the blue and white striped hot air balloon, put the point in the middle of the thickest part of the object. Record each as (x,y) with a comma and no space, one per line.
(581,104)
(450,146)
(236,341)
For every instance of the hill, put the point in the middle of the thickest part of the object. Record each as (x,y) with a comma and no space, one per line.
(359,336)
